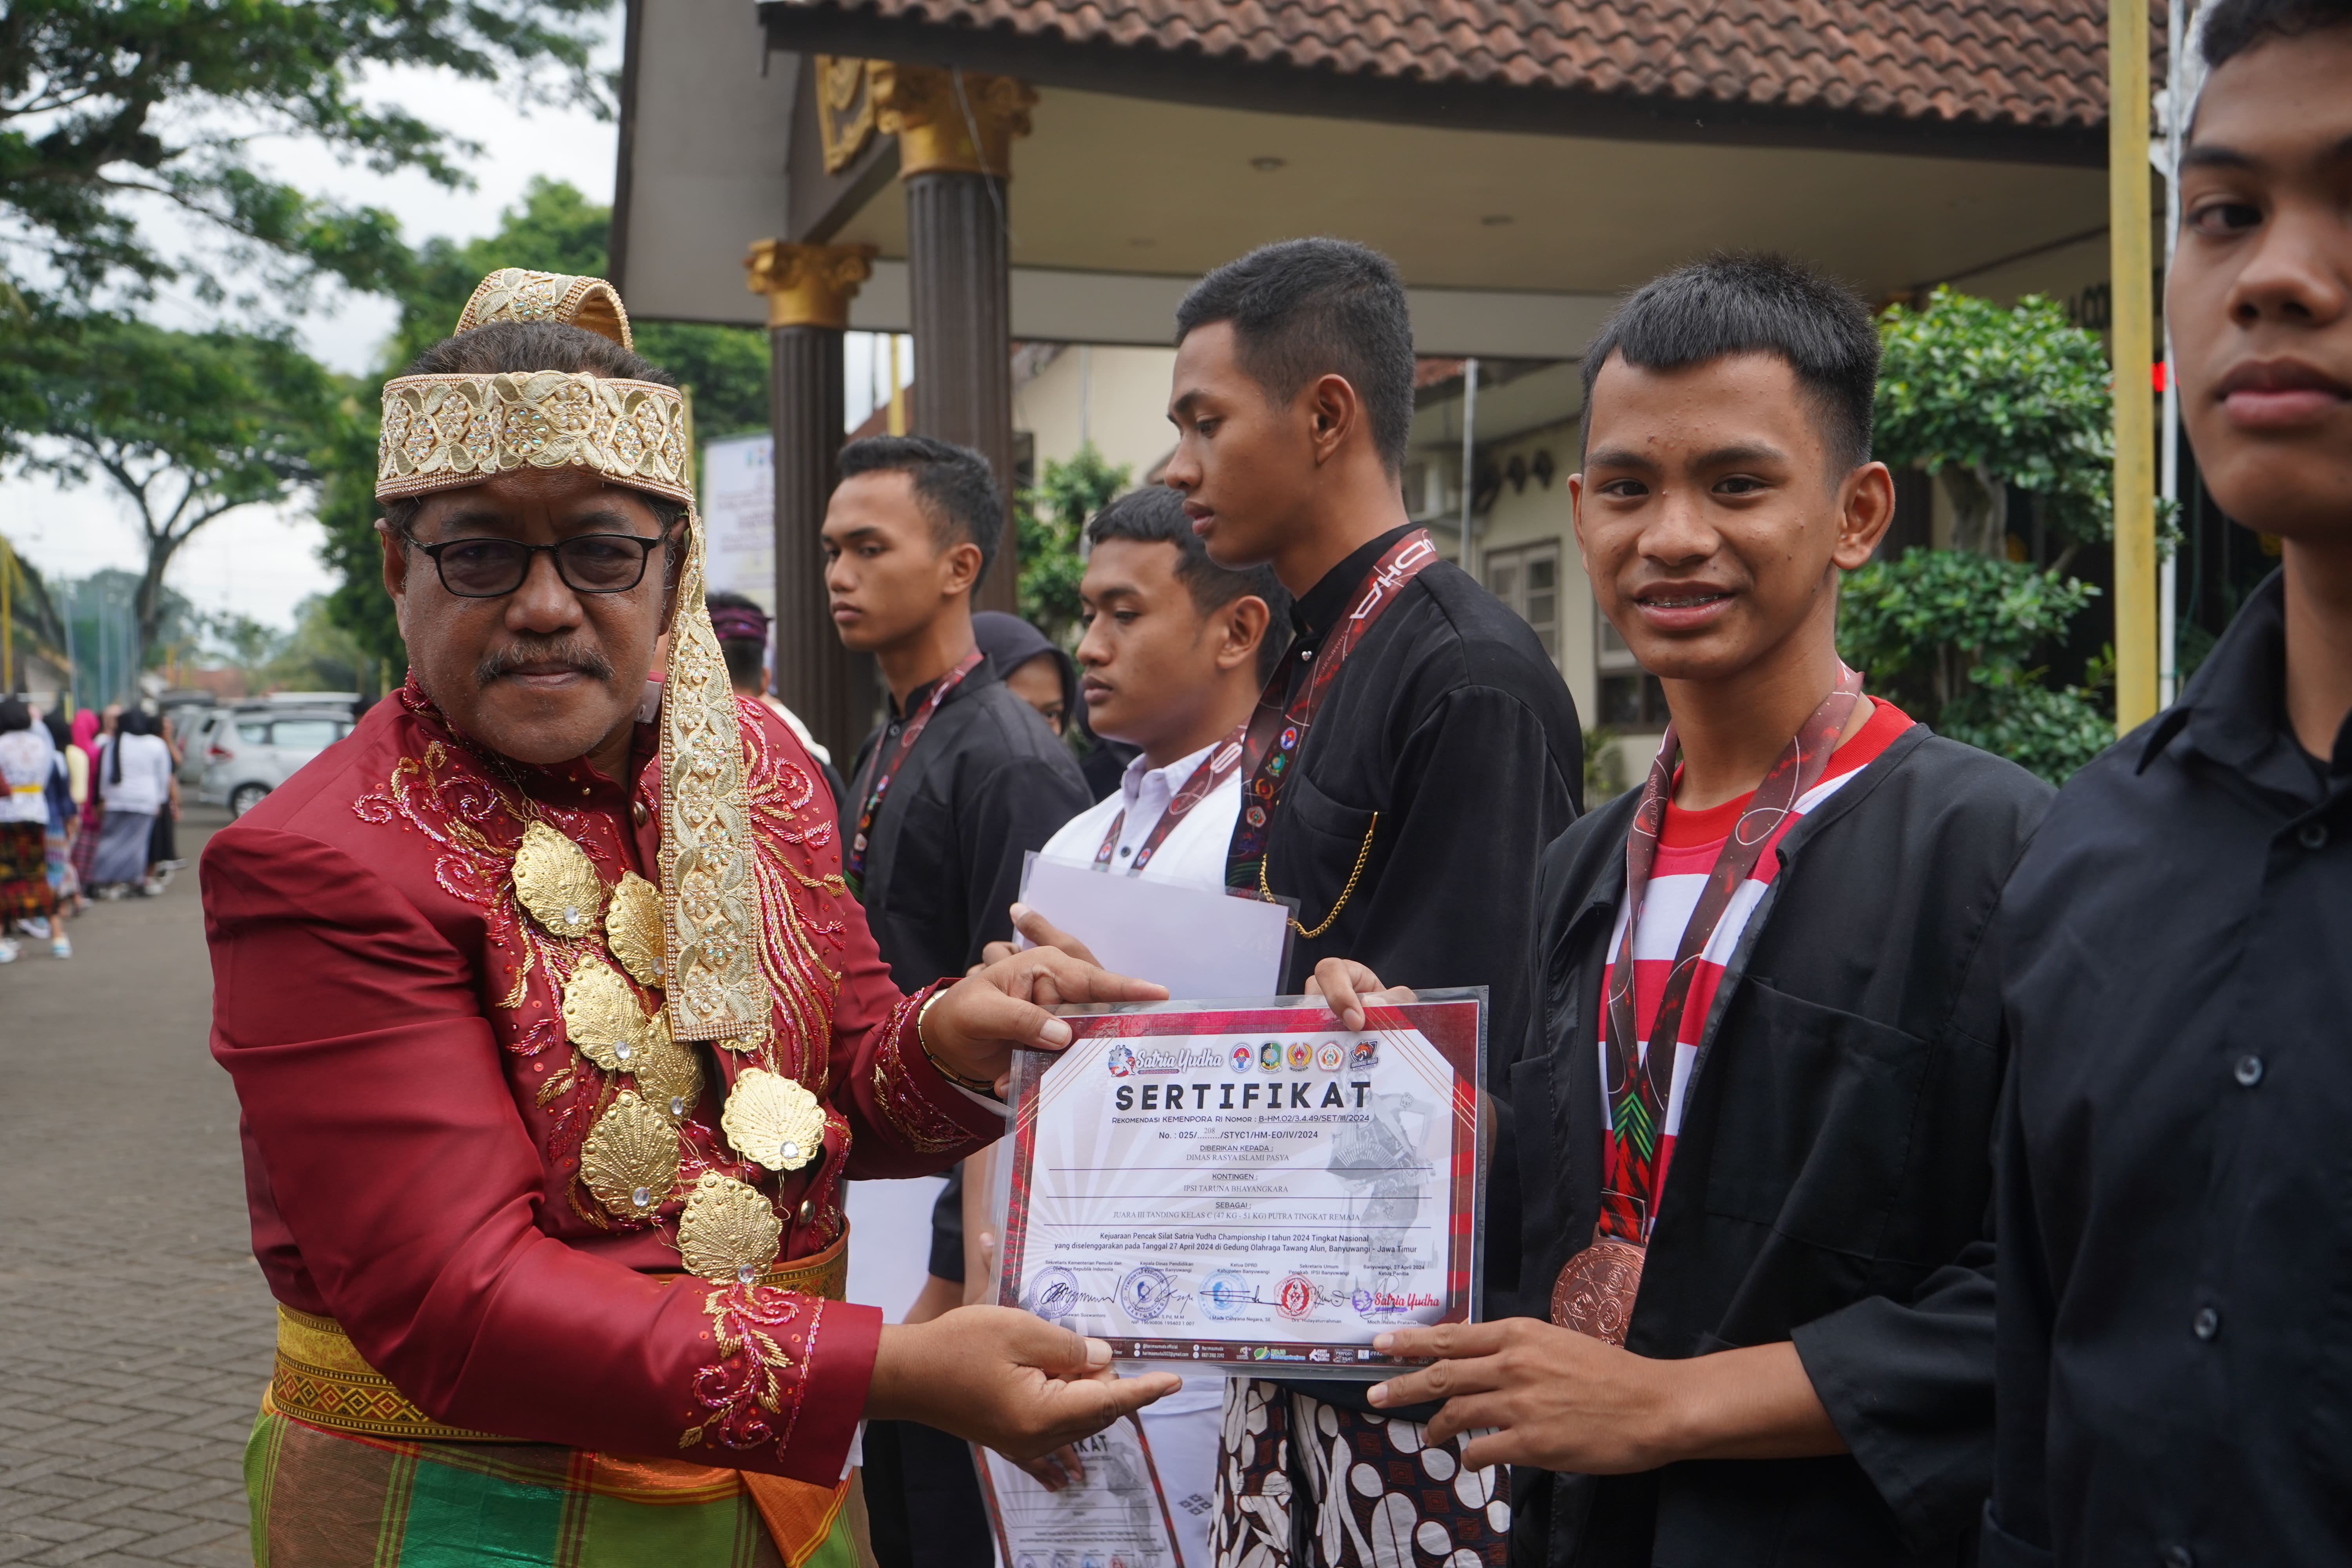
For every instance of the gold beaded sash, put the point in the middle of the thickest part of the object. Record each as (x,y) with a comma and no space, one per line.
(321,1380)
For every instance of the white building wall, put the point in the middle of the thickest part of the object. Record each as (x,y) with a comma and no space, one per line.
(1117,398)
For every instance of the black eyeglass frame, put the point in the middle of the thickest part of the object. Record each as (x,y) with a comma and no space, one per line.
(646,548)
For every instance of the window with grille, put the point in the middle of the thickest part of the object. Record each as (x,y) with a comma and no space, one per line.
(1528,580)
(1631,697)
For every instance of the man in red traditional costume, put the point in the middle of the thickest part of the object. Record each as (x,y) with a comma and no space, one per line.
(556,1034)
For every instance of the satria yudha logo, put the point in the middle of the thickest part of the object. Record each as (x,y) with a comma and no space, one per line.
(1124,1059)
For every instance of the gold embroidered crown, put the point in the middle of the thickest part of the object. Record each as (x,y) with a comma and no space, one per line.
(442,432)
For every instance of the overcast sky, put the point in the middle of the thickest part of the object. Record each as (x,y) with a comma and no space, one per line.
(260,561)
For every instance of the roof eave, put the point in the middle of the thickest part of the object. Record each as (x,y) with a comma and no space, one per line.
(1188,76)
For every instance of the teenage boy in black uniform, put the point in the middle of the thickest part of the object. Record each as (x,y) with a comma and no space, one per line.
(1754,1124)
(1419,751)
(957,782)
(2176,1217)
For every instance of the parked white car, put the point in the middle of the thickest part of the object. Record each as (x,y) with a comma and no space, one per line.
(248,750)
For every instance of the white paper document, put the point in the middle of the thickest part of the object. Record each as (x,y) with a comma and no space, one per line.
(1249,1183)
(1115,1517)
(1197,942)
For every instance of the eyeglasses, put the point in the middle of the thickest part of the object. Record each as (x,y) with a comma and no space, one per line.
(588,564)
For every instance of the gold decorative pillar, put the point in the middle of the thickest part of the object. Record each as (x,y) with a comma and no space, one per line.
(955,132)
(809,288)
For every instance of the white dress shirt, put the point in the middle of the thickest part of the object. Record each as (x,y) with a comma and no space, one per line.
(1194,849)
(1182,1427)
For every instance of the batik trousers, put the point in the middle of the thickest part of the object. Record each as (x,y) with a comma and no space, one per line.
(1304,1484)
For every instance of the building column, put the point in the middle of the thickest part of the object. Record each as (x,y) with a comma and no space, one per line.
(809,288)
(955,132)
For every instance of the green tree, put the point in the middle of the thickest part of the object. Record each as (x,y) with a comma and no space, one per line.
(318,654)
(185,427)
(1989,400)
(105,107)
(554,228)
(1951,633)
(1051,518)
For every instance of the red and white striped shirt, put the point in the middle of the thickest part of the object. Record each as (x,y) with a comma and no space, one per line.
(1688,842)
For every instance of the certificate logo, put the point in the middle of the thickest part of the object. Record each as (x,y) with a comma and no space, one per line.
(1269,1056)
(1225,1295)
(1366,1054)
(1144,1294)
(1121,1061)
(1329,1057)
(1297,1297)
(1302,1056)
(1243,1056)
(1052,1293)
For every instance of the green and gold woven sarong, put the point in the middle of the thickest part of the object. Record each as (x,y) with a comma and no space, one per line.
(373,1502)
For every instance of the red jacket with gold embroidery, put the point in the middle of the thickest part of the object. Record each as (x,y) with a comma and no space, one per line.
(414,1115)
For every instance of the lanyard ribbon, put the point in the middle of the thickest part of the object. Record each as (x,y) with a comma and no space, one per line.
(1640,1081)
(1277,733)
(853,864)
(1212,770)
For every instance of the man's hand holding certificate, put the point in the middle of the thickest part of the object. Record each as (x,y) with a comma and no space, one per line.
(1250,1182)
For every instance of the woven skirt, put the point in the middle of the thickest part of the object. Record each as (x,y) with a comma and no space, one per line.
(334,1499)
(24,889)
(122,848)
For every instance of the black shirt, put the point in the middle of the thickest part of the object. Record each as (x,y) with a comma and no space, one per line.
(2176,1160)
(987,782)
(1449,721)
(1830,1183)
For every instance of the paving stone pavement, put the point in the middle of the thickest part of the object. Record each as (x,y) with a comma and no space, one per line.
(135,1332)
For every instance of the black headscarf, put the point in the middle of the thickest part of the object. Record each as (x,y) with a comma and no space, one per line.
(130,721)
(1010,642)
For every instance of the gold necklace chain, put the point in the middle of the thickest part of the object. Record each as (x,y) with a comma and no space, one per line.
(1363,853)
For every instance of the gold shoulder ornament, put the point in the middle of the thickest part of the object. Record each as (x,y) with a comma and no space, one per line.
(630,1158)
(556,883)
(666,1069)
(633,927)
(602,1016)
(772,1119)
(729,1231)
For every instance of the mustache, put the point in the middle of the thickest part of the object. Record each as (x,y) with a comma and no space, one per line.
(564,653)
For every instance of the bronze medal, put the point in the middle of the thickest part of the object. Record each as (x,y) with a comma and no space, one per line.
(1594,1293)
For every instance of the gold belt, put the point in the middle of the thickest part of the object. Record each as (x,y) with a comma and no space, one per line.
(321,1380)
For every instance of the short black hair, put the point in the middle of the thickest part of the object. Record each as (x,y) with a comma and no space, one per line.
(1155,515)
(1306,308)
(1738,302)
(13,716)
(952,483)
(503,348)
(747,657)
(2234,27)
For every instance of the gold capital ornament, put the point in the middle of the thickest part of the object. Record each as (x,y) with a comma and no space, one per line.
(807,285)
(950,121)
(845,108)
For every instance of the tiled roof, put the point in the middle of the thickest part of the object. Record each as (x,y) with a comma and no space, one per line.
(2008,62)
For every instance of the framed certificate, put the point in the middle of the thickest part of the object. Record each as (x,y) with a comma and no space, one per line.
(1248,1184)
(1116,1517)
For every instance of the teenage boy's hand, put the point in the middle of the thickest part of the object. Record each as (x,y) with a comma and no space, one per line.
(975,1025)
(1558,1400)
(1349,986)
(1041,932)
(1003,1379)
